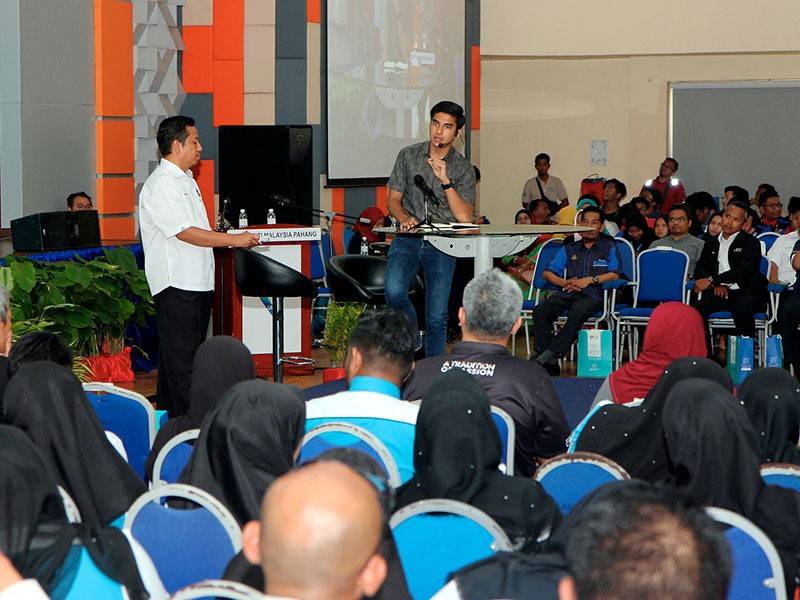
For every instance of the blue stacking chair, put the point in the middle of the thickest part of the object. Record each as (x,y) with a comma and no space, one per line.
(660,277)
(570,477)
(186,545)
(127,414)
(220,589)
(539,284)
(436,537)
(508,437)
(768,238)
(173,458)
(344,435)
(757,568)
(785,475)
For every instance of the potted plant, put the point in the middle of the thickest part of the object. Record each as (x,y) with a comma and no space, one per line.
(339,322)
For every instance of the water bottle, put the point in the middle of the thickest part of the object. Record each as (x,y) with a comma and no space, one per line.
(242,219)
(364,246)
(271,220)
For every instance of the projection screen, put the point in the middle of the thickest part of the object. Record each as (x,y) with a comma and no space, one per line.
(388,62)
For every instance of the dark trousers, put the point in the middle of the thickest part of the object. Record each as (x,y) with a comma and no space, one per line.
(579,307)
(182,319)
(787,325)
(742,306)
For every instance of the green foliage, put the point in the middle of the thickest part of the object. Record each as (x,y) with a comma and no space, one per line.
(88,303)
(339,322)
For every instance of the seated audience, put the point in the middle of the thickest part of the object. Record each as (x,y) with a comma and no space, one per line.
(319,545)
(379,359)
(674,331)
(368,219)
(728,272)
(770,208)
(654,199)
(734,192)
(752,222)
(614,191)
(633,436)
(545,186)
(569,214)
(79,201)
(580,268)
(701,206)
(714,227)
(47,402)
(523,217)
(680,222)
(635,229)
(220,362)
(771,399)
(6,332)
(457,451)
(522,265)
(670,188)
(762,187)
(714,453)
(246,442)
(781,271)
(489,316)
(38,346)
(660,227)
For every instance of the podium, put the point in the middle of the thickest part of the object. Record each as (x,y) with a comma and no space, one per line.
(247,318)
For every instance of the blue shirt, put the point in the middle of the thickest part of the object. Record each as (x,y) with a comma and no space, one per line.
(576,260)
(362,383)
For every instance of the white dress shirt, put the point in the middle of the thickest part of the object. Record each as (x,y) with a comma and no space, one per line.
(722,257)
(169,203)
(27,589)
(781,255)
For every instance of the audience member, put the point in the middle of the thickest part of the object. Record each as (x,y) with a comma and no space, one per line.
(680,222)
(674,331)
(369,218)
(655,199)
(641,203)
(248,440)
(488,317)
(771,398)
(14,587)
(569,214)
(670,188)
(522,265)
(752,222)
(580,268)
(728,272)
(713,450)
(771,207)
(614,191)
(37,346)
(714,227)
(660,227)
(6,332)
(523,217)
(701,206)
(457,451)
(634,436)
(735,193)
(319,535)
(220,362)
(762,187)
(545,186)
(782,271)
(379,359)
(635,229)
(47,402)
(79,201)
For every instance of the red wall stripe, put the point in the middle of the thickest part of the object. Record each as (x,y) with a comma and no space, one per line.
(475,116)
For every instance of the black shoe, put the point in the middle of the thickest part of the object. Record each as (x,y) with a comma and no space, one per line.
(552,368)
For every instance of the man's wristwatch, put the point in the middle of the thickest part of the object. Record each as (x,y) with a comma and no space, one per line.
(595,279)
(447,186)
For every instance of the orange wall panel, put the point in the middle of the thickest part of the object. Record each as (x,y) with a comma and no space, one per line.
(475,117)
(381,195)
(228,92)
(313,11)
(198,67)
(117,228)
(113,58)
(229,30)
(204,176)
(115,195)
(114,146)
(337,226)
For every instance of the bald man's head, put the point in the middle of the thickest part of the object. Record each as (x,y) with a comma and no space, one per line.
(321,529)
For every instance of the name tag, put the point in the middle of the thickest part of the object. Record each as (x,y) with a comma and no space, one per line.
(600,263)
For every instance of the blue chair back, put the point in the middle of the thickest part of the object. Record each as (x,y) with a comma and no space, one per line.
(83,579)
(507,430)
(175,462)
(347,235)
(781,474)
(133,420)
(763,267)
(546,254)
(662,275)
(570,477)
(326,246)
(436,537)
(768,237)
(627,258)
(317,261)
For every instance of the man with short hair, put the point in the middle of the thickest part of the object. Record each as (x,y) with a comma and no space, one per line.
(319,536)
(79,201)
(489,315)
(671,189)
(702,206)
(614,191)
(544,186)
(771,207)
(734,192)
(179,260)
(679,222)
(781,270)
(727,275)
(580,269)
(451,178)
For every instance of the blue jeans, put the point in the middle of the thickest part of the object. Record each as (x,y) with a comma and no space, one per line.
(405,256)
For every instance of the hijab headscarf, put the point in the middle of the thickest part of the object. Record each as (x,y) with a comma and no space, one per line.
(771,398)
(633,218)
(715,456)
(220,362)
(246,442)
(675,330)
(34,531)
(457,451)
(634,436)
(46,401)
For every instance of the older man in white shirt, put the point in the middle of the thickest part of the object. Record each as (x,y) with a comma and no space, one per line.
(179,260)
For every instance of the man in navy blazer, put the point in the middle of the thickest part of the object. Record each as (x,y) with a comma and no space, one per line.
(727,275)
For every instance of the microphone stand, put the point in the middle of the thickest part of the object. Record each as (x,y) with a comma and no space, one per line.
(427,220)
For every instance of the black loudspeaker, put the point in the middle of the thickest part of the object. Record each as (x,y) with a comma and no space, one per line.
(256,161)
(63,230)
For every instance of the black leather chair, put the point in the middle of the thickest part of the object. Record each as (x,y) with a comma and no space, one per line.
(260,276)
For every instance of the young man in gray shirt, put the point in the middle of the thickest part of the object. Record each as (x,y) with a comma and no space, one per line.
(679,237)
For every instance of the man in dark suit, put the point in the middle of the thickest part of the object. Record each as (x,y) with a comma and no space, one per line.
(727,276)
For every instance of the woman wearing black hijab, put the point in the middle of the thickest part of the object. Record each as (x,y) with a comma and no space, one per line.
(220,362)
(246,442)
(771,398)
(715,458)
(456,454)
(35,533)
(633,436)
(47,402)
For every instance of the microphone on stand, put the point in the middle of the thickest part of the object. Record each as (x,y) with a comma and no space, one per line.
(423,187)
